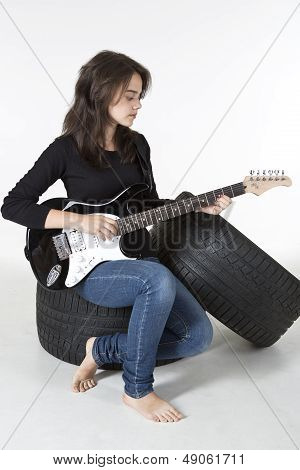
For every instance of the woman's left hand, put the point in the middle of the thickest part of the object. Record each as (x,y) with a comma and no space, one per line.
(216,208)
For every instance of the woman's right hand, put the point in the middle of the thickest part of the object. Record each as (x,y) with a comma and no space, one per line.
(95,224)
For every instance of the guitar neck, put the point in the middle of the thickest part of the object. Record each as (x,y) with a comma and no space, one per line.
(174,209)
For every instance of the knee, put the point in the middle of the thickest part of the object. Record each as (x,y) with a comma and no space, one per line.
(162,281)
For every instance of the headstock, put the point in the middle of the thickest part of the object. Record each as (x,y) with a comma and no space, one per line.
(259,182)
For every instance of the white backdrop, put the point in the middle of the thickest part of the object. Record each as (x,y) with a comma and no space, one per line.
(225,98)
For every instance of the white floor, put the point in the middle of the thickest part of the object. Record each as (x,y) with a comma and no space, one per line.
(233,396)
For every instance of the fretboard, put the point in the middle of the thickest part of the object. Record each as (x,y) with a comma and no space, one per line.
(174,209)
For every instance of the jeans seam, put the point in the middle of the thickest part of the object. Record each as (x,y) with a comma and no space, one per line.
(139,342)
(119,275)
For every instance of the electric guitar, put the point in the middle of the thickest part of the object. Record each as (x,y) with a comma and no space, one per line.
(61,258)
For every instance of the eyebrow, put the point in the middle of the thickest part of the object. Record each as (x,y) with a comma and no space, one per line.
(133,91)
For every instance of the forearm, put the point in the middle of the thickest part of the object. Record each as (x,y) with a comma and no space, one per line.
(63,219)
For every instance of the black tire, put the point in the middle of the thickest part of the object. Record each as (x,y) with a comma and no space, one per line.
(231,277)
(65,321)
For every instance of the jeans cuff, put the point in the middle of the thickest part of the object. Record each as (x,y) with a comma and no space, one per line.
(97,357)
(138,395)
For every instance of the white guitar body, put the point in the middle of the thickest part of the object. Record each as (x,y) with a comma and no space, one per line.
(88,251)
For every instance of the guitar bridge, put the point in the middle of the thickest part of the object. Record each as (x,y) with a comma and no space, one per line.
(62,246)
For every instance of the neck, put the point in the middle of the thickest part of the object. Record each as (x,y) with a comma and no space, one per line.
(176,208)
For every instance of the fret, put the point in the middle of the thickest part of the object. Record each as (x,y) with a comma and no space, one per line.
(166,212)
(228,191)
(239,189)
(135,222)
(170,211)
(178,207)
(206,199)
(202,200)
(189,204)
(130,221)
(130,224)
(144,218)
(120,225)
(158,214)
(161,216)
(218,192)
(184,205)
(141,219)
(210,197)
(150,216)
(127,226)
(191,199)
(232,191)
(198,197)
(154,215)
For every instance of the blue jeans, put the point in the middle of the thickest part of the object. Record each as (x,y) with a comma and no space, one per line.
(166,321)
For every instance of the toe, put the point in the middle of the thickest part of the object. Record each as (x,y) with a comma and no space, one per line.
(167,416)
(162,418)
(75,388)
(81,387)
(176,413)
(86,385)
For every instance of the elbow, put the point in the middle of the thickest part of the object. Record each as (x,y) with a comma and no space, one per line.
(4,212)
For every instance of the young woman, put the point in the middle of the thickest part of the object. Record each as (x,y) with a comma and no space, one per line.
(96,157)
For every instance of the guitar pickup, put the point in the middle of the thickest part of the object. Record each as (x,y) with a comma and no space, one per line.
(62,246)
(76,241)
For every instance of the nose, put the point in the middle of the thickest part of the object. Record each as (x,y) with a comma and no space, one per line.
(138,106)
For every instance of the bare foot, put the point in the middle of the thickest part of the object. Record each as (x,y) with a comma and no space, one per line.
(84,377)
(153,407)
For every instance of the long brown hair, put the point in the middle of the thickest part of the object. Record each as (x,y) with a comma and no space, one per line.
(88,117)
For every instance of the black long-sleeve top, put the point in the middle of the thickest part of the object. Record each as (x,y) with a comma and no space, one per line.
(61,160)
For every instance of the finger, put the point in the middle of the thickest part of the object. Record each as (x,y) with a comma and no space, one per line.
(222,202)
(110,228)
(102,236)
(224,198)
(113,225)
(106,232)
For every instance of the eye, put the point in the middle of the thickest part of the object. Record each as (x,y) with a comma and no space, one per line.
(129,99)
